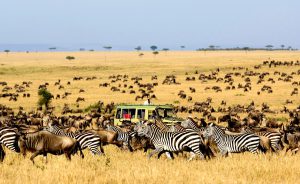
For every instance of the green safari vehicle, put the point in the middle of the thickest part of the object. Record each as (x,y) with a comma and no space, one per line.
(136,113)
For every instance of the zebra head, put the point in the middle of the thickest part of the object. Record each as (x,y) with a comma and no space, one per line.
(185,123)
(142,128)
(209,131)
(49,128)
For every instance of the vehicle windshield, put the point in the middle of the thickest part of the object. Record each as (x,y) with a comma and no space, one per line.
(165,113)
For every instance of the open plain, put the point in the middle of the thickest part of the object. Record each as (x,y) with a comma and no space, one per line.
(118,166)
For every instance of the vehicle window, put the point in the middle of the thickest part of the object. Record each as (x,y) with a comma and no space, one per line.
(165,113)
(141,113)
(128,113)
(118,114)
(132,113)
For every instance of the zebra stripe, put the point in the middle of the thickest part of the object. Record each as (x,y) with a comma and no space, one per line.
(274,137)
(125,137)
(85,139)
(189,124)
(171,141)
(232,143)
(8,137)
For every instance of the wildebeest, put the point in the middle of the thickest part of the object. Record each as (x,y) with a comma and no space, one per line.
(44,142)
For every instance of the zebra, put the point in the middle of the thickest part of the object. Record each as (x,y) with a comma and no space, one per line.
(85,139)
(9,139)
(170,141)
(122,136)
(232,143)
(190,124)
(274,137)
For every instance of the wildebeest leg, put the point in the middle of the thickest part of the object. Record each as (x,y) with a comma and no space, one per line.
(68,155)
(129,147)
(101,148)
(45,157)
(2,153)
(34,155)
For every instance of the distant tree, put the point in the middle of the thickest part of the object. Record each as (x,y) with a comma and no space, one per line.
(7,51)
(246,49)
(45,97)
(166,50)
(107,47)
(155,53)
(138,48)
(290,48)
(211,47)
(52,48)
(153,48)
(269,47)
(70,58)
(182,47)
(82,49)
(282,46)
(91,50)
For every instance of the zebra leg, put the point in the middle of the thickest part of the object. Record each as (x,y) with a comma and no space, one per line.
(253,150)
(192,156)
(224,153)
(168,154)
(157,150)
(196,150)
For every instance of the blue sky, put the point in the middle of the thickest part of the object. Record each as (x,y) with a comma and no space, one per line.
(165,23)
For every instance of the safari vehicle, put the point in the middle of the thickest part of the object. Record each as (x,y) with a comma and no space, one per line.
(136,113)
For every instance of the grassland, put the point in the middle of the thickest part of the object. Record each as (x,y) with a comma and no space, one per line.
(49,67)
(124,167)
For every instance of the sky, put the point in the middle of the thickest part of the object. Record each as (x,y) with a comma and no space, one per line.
(125,24)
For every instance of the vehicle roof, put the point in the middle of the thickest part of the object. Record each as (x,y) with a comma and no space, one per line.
(151,106)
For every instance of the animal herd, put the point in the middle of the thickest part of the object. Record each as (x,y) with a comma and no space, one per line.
(222,129)
(55,135)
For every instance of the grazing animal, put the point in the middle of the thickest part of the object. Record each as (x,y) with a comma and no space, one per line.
(273,136)
(232,143)
(8,138)
(44,142)
(125,137)
(85,139)
(170,141)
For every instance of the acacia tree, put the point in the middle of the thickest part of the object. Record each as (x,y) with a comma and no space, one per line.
(107,47)
(282,46)
(138,48)
(45,97)
(269,47)
(211,47)
(153,48)
(70,58)
(155,53)
(7,51)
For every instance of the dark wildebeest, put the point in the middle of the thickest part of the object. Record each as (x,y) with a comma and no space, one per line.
(44,142)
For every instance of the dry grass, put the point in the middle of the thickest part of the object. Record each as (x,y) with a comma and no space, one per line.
(49,67)
(125,167)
